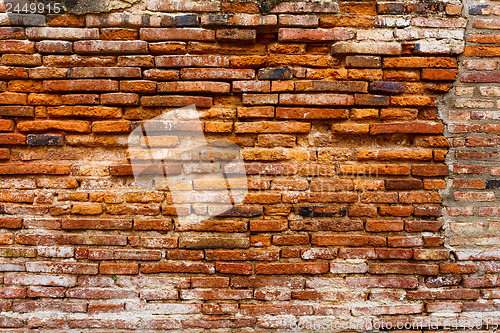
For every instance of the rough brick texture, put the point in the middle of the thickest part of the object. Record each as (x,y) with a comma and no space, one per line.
(372,196)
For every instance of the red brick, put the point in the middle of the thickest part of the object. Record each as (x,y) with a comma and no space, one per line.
(161,75)
(27,307)
(194,87)
(13,73)
(310,113)
(178,268)
(292,268)
(426,254)
(34,168)
(138,86)
(462,294)
(380,226)
(272,127)
(120,99)
(189,34)
(429,170)
(215,294)
(48,125)
(105,72)
(238,20)
(118,268)
(456,268)
(233,268)
(315,99)
(110,47)
(405,241)
(80,85)
(377,48)
(423,225)
(49,292)
(355,240)
(238,35)
(61,267)
(270,309)
(439,74)
(289,240)
(176,101)
(403,268)
(183,61)
(119,34)
(105,308)
(102,323)
(410,128)
(17,46)
(268,225)
(313,35)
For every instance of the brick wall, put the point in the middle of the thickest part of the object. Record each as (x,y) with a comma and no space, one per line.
(471,115)
(349,121)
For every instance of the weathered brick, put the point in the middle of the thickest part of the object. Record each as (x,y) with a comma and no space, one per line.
(272,127)
(191,61)
(315,99)
(105,72)
(384,87)
(119,34)
(44,140)
(298,20)
(275,74)
(178,101)
(314,35)
(324,86)
(287,268)
(423,128)
(238,20)
(178,267)
(239,35)
(420,62)
(80,85)
(401,268)
(22,60)
(310,113)
(60,267)
(110,47)
(305,7)
(355,184)
(17,46)
(13,73)
(217,73)
(85,111)
(377,48)
(62,33)
(53,46)
(158,34)
(194,86)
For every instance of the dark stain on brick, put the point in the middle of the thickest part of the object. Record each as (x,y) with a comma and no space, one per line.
(386,87)
(477,9)
(275,74)
(265,6)
(243,211)
(321,211)
(493,184)
(395,8)
(44,140)
(186,20)
(430,7)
